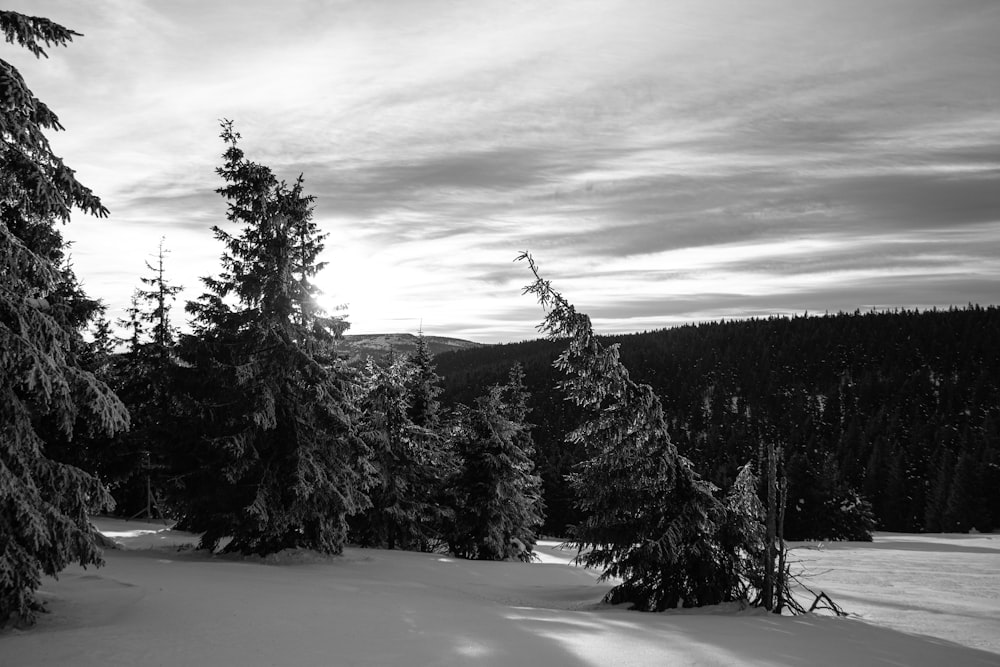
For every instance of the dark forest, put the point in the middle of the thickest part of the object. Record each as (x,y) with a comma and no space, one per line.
(899,411)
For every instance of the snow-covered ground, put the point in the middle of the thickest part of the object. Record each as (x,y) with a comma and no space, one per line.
(946,586)
(155,605)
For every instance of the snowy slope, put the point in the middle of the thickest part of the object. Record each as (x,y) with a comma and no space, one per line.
(154,605)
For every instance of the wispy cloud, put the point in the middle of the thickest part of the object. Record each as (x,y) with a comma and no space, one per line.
(665,161)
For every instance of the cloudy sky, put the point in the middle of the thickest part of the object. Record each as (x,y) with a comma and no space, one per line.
(665,161)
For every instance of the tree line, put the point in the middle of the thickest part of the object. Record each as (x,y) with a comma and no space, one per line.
(888,420)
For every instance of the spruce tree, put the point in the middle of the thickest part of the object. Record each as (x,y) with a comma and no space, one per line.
(136,462)
(499,504)
(102,347)
(410,460)
(133,324)
(744,535)
(277,462)
(159,297)
(650,520)
(46,396)
(424,387)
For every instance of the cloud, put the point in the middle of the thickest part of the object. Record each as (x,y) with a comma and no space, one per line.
(667,161)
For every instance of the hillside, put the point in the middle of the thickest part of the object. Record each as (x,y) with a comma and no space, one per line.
(902,408)
(381,345)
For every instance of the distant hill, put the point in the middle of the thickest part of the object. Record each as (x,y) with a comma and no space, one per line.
(380,345)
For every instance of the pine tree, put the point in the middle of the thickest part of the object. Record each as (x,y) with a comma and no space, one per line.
(651,521)
(102,347)
(159,297)
(424,387)
(143,377)
(744,534)
(527,483)
(76,312)
(132,324)
(411,462)
(45,393)
(278,462)
(499,504)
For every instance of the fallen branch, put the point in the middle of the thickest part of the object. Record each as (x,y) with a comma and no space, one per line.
(829,604)
(821,601)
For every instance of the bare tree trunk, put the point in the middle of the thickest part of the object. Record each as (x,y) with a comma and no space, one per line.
(769,554)
(782,574)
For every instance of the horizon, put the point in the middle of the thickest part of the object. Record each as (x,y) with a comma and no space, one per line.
(790,316)
(667,163)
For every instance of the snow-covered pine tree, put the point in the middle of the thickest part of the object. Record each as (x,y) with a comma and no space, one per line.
(279,463)
(439,459)
(498,495)
(743,537)
(651,520)
(424,387)
(410,460)
(45,393)
(528,483)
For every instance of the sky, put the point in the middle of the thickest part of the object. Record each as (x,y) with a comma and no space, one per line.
(664,161)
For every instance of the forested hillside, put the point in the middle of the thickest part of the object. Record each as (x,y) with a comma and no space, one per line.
(899,409)
(381,346)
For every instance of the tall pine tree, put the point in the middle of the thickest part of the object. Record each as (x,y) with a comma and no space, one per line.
(46,396)
(278,462)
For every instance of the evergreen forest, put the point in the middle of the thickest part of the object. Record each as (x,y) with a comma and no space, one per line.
(888,420)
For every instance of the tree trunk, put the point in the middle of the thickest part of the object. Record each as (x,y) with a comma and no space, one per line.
(782,575)
(770,575)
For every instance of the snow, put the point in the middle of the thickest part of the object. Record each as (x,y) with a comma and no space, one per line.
(158,602)
(947,586)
